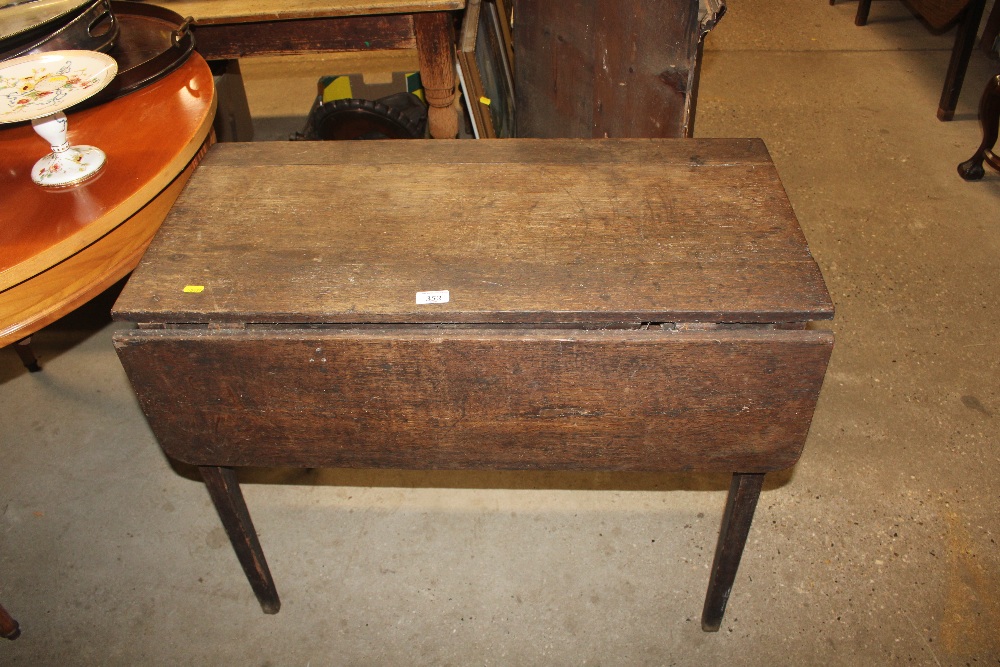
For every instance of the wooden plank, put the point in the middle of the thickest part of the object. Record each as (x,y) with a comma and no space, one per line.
(309,68)
(599,400)
(238,11)
(564,152)
(663,231)
(219,41)
(605,68)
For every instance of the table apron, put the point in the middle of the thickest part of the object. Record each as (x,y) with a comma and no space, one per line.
(222,41)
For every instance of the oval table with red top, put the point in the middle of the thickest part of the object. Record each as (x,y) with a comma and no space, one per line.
(59,248)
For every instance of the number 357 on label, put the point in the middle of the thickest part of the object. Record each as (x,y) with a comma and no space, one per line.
(440,296)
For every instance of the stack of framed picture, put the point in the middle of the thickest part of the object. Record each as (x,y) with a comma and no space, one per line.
(485,68)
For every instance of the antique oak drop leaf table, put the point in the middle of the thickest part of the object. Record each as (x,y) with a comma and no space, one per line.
(616,305)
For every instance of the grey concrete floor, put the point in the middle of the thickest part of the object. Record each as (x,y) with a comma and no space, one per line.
(879,547)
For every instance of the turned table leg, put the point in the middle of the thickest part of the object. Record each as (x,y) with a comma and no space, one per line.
(436,53)
(740,505)
(224,489)
(989,118)
(9,629)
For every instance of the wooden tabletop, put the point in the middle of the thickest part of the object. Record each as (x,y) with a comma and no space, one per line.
(518,231)
(245,11)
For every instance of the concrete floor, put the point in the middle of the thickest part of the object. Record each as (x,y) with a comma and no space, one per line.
(879,547)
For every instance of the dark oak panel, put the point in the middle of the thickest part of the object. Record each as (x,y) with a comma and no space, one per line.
(605,68)
(599,400)
(351,33)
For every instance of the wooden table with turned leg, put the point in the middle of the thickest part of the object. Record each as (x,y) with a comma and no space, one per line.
(619,305)
(227,30)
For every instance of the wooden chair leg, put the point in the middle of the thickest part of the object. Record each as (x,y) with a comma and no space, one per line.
(965,42)
(740,505)
(861,18)
(224,488)
(9,629)
(27,355)
(989,118)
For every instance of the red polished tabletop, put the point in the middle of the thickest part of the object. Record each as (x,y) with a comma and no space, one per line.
(149,137)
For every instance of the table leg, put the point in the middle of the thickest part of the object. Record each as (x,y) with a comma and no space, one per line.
(232,117)
(861,18)
(965,42)
(740,505)
(9,629)
(436,53)
(989,118)
(224,489)
(27,355)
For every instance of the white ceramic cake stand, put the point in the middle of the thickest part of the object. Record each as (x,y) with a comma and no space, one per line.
(38,88)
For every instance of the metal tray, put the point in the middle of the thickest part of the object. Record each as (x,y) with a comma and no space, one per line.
(152,42)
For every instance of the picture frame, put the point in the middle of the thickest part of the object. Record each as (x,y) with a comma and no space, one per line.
(505,9)
(484,70)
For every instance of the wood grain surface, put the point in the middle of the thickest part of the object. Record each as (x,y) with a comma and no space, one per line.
(238,11)
(149,136)
(596,400)
(605,68)
(220,41)
(517,231)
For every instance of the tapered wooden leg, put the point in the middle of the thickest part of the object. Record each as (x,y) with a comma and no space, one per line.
(9,629)
(740,505)
(225,491)
(965,42)
(27,355)
(861,18)
(989,118)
